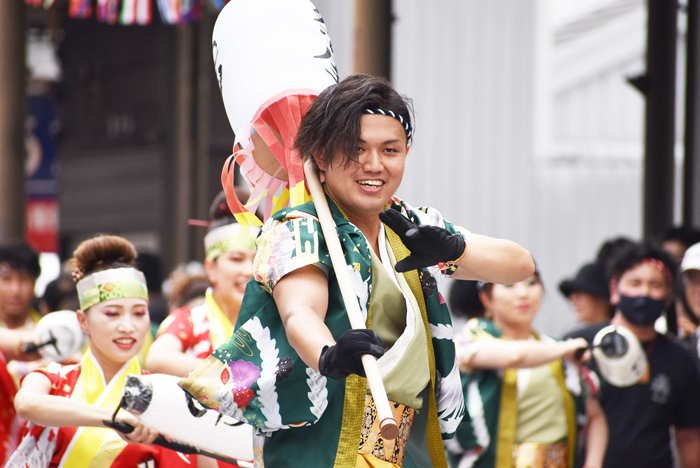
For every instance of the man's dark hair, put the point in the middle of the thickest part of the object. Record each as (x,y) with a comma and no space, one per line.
(686,235)
(609,249)
(633,254)
(19,256)
(60,292)
(331,126)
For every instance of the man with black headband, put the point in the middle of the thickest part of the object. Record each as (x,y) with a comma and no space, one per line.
(306,388)
(668,396)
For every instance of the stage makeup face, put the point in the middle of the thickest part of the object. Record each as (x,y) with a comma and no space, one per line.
(116,328)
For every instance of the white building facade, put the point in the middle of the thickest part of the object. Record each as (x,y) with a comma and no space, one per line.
(526,128)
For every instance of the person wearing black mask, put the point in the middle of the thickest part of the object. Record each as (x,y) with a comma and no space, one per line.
(640,416)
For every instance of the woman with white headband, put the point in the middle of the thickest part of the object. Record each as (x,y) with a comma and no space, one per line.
(187,336)
(66,406)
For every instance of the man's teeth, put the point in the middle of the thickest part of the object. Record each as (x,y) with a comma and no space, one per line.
(125,340)
(371,183)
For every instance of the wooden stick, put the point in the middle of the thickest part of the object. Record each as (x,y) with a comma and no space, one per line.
(387,423)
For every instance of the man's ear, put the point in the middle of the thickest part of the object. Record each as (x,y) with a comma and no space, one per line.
(320,163)
(614,295)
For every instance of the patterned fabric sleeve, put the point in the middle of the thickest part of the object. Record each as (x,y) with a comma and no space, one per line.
(53,372)
(256,376)
(591,382)
(179,324)
(287,246)
(467,343)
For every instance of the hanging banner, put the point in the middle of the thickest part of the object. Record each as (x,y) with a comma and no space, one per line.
(139,12)
(41,209)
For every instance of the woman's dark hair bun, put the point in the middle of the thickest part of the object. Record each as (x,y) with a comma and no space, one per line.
(219,208)
(102,252)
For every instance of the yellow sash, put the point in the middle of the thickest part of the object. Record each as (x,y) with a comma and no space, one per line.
(435,446)
(220,327)
(97,446)
(508,413)
(356,387)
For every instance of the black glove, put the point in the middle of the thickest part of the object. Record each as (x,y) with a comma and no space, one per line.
(429,245)
(345,357)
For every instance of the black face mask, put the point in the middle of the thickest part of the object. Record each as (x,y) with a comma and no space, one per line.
(641,310)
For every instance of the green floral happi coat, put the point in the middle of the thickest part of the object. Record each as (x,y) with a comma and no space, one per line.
(256,376)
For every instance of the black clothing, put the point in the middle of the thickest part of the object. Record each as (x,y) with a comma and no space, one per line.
(639,416)
(586,332)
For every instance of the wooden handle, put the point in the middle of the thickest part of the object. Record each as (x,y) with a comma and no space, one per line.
(387,424)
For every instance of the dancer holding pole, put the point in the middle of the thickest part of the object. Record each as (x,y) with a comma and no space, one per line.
(342,353)
(293,366)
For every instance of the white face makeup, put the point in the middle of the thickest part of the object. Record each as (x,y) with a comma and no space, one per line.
(116,329)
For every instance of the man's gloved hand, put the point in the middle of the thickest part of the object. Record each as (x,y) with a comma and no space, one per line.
(429,245)
(345,357)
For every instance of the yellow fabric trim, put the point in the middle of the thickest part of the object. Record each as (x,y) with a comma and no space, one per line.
(247,219)
(558,372)
(147,342)
(507,419)
(281,201)
(370,461)
(351,428)
(435,446)
(97,446)
(298,194)
(34,316)
(508,413)
(220,327)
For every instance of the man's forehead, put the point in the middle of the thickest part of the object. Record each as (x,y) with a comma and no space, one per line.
(6,269)
(644,270)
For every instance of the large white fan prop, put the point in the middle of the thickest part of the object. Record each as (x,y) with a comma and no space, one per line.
(272,58)
(59,336)
(266,47)
(158,402)
(620,356)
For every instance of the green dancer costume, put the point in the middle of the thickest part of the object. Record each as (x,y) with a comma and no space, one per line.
(302,417)
(486,435)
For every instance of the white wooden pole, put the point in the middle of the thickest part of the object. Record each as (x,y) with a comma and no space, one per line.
(387,423)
